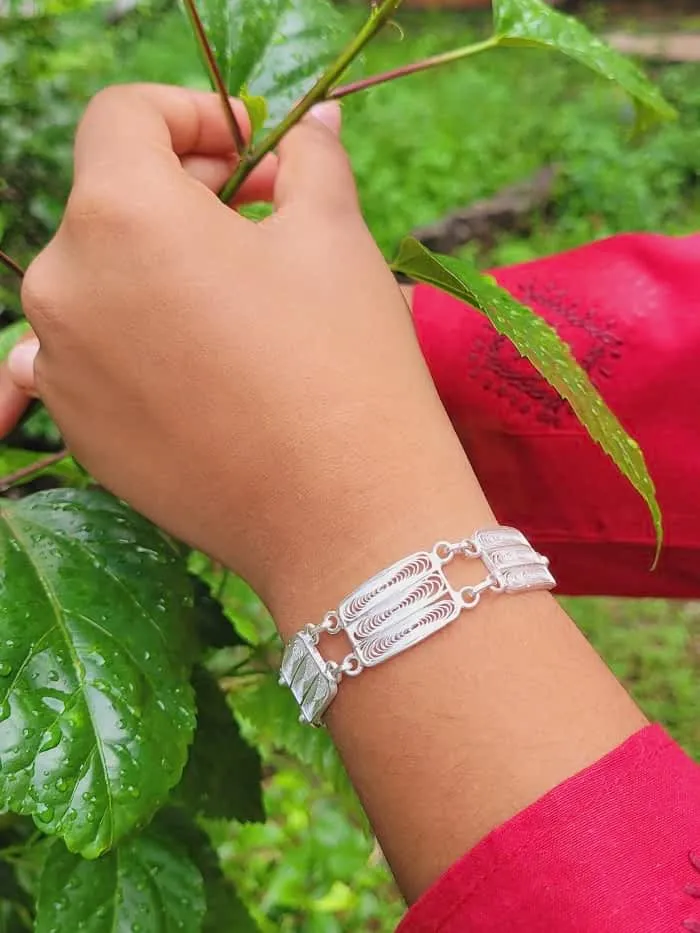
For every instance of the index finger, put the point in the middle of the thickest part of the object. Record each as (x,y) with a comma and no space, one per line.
(147,127)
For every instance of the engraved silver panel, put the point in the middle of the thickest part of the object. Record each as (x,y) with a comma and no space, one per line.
(304,671)
(512,561)
(385,586)
(398,608)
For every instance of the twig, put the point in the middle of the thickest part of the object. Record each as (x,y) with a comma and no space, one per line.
(215,74)
(379,16)
(11,265)
(12,478)
(435,61)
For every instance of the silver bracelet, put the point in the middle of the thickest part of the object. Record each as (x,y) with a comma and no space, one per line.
(403,605)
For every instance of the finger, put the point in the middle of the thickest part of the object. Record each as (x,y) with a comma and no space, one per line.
(144,127)
(213,173)
(20,364)
(13,402)
(314,169)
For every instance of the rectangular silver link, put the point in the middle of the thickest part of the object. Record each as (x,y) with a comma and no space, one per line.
(411,628)
(386,587)
(512,561)
(304,671)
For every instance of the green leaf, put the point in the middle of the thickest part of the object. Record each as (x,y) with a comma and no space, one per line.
(96,711)
(13,459)
(10,335)
(223,776)
(225,912)
(148,884)
(257,110)
(274,49)
(535,23)
(271,717)
(541,345)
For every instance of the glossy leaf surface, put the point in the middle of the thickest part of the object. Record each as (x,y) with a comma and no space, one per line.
(148,884)
(274,49)
(96,711)
(541,345)
(535,23)
(223,775)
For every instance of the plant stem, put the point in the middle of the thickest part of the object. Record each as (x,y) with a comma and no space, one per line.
(11,265)
(7,481)
(215,74)
(318,92)
(435,61)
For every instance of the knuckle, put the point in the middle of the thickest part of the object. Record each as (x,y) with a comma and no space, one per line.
(38,290)
(97,202)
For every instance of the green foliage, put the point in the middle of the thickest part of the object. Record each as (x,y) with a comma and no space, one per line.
(273,50)
(534,23)
(536,340)
(223,775)
(9,336)
(146,883)
(95,708)
(420,147)
(13,459)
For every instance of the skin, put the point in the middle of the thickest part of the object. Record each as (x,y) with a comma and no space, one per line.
(216,375)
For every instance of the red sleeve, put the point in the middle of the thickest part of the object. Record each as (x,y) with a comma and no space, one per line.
(612,850)
(630,308)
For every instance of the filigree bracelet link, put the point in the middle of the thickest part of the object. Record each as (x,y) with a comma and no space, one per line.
(402,606)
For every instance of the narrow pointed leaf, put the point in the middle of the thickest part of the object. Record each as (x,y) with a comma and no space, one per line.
(96,711)
(541,345)
(148,884)
(535,23)
(274,49)
(223,776)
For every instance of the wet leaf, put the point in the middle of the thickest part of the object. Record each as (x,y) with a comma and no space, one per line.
(534,23)
(539,343)
(273,49)
(96,711)
(223,776)
(225,911)
(146,885)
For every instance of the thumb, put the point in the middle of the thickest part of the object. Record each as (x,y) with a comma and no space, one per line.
(314,169)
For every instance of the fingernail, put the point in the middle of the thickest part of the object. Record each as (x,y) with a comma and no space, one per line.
(20,362)
(328,113)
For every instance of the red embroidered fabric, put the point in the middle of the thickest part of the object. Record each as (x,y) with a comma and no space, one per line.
(629,307)
(611,850)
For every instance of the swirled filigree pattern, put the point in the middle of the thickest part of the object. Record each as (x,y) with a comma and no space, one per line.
(407,633)
(385,586)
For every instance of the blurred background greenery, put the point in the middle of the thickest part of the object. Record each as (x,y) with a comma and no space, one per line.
(420,148)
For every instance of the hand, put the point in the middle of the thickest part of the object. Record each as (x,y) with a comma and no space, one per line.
(255,389)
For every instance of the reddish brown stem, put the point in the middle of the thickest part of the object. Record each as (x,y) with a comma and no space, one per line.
(7,481)
(215,74)
(426,64)
(11,265)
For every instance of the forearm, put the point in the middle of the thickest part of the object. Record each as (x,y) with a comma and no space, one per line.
(455,736)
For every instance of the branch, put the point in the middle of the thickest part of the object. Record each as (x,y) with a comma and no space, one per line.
(320,91)
(435,61)
(215,74)
(13,266)
(37,467)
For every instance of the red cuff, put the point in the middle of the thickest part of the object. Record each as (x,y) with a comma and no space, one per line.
(630,309)
(608,851)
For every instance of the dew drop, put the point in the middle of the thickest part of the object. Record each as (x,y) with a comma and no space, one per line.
(5,669)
